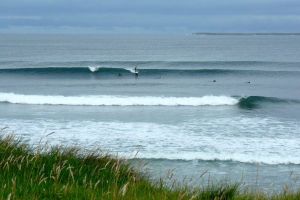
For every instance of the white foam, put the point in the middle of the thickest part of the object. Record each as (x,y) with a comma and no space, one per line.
(131,70)
(94,68)
(105,100)
(249,140)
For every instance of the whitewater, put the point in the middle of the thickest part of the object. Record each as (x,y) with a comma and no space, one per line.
(104,100)
(175,142)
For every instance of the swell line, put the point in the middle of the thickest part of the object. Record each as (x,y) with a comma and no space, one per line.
(98,70)
(250,102)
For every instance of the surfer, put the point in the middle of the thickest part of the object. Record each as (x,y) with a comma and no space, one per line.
(136,73)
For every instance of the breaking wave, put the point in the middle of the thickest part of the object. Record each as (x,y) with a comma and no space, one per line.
(250,102)
(104,100)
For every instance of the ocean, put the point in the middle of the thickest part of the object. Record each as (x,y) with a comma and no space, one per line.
(208,108)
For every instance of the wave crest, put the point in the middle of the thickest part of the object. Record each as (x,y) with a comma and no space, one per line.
(94,68)
(117,100)
(252,102)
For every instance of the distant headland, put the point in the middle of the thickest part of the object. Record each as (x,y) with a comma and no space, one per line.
(212,33)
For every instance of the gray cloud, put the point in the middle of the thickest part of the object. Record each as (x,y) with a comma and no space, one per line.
(150,16)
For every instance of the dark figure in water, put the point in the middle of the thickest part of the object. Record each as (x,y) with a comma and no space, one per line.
(136,73)
(214,81)
(249,82)
(119,74)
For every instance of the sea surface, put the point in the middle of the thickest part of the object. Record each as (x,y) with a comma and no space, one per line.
(205,108)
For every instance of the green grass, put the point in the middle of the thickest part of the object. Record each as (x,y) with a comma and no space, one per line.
(68,173)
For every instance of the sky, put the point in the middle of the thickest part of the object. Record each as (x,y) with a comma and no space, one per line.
(148,16)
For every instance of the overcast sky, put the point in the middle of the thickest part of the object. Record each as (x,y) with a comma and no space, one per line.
(149,16)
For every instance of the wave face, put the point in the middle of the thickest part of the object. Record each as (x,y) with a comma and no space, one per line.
(116,100)
(98,70)
(252,102)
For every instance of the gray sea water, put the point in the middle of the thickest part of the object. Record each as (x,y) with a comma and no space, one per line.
(206,107)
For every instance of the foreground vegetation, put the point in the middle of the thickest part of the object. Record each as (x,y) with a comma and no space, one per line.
(67,173)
